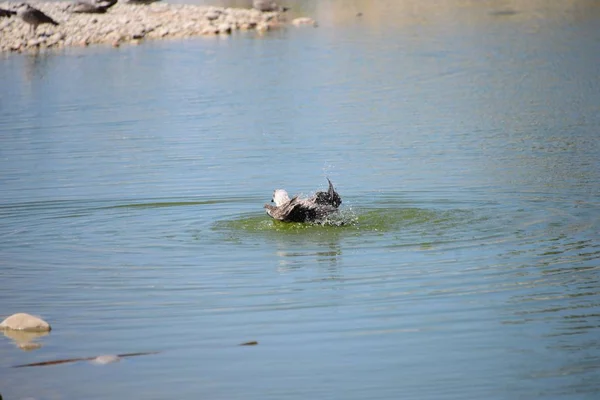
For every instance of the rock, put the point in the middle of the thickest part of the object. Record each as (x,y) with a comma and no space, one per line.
(224,28)
(247,26)
(34,42)
(25,322)
(210,30)
(262,27)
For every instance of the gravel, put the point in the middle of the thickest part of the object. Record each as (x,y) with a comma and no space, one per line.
(127,23)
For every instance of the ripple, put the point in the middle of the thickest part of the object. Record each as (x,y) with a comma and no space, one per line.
(349,221)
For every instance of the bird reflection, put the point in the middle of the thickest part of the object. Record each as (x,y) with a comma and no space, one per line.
(327,255)
(35,66)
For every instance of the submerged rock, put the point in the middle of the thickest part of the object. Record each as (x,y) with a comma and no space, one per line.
(25,322)
(106,359)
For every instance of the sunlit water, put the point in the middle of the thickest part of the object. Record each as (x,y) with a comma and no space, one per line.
(464,144)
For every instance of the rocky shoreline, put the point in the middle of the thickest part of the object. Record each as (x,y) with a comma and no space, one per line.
(128,23)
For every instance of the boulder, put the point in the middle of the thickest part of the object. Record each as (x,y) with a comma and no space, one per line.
(25,322)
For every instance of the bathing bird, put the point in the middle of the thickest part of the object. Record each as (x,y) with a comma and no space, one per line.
(268,5)
(33,16)
(296,209)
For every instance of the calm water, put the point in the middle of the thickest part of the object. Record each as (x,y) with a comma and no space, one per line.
(463,140)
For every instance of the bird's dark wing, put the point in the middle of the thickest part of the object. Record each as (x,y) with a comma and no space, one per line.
(336,200)
(42,18)
(329,198)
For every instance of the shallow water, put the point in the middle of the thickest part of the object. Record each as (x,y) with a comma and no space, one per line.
(463,141)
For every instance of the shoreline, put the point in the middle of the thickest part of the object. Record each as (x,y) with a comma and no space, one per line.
(127,23)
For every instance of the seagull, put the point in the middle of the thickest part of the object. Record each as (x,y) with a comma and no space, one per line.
(268,5)
(6,13)
(105,3)
(33,16)
(97,7)
(296,209)
(141,2)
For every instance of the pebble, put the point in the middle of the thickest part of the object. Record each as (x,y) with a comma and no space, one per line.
(130,23)
(25,322)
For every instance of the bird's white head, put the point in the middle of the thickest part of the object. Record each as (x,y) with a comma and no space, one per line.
(280,196)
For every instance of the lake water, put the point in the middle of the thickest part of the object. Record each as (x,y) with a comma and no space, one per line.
(462,137)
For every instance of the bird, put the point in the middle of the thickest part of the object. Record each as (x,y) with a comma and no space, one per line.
(6,13)
(105,3)
(33,16)
(268,6)
(84,7)
(296,209)
(141,2)
(95,7)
